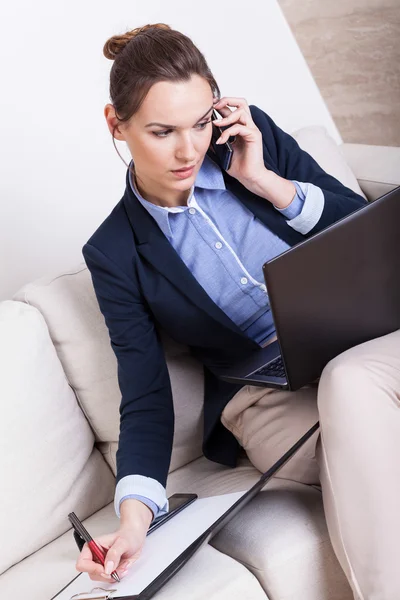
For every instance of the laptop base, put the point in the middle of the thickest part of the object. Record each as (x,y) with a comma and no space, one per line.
(246,371)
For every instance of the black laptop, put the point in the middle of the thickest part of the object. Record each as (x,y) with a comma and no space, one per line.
(337,289)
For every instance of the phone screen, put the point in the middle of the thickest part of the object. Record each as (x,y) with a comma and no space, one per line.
(177,502)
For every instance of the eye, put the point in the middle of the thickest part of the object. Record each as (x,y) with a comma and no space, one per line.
(165,133)
(161,133)
(203,125)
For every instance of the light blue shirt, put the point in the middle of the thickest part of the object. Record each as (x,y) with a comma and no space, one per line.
(224,246)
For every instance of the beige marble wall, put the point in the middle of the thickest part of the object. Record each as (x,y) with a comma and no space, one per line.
(353,50)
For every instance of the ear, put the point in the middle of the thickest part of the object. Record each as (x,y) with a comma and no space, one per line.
(114,125)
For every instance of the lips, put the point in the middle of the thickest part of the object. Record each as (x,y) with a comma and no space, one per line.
(184,170)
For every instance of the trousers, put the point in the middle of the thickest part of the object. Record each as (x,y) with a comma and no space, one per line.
(355,457)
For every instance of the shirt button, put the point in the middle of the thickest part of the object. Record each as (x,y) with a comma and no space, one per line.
(243,280)
(192,211)
(218,245)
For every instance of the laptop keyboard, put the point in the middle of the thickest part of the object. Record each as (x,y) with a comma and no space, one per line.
(273,369)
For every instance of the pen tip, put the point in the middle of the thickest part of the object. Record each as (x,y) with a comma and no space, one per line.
(115,576)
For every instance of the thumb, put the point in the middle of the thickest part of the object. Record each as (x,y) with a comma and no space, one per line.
(113,556)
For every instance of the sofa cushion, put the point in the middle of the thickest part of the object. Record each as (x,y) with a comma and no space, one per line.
(80,336)
(377,168)
(281,536)
(209,574)
(322,147)
(48,463)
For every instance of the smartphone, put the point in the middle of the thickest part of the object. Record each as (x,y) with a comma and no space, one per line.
(177,502)
(223,151)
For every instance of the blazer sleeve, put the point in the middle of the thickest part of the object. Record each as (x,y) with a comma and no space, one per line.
(146,409)
(295,164)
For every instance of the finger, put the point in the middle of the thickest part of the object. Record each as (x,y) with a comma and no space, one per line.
(106,540)
(231,101)
(126,564)
(85,562)
(241,130)
(236,116)
(93,569)
(123,568)
(113,556)
(102,577)
(224,112)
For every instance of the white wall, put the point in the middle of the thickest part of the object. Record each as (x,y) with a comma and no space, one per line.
(60,175)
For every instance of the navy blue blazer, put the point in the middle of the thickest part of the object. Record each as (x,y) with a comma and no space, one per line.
(142,285)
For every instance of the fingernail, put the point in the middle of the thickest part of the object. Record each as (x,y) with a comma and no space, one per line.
(219,141)
(105,576)
(109,567)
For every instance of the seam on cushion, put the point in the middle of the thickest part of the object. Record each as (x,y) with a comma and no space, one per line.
(83,268)
(377,181)
(111,458)
(33,285)
(355,582)
(239,560)
(27,301)
(79,403)
(251,568)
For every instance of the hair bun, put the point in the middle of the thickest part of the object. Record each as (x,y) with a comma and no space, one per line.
(115,44)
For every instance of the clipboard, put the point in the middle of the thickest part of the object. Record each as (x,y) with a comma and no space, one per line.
(149,591)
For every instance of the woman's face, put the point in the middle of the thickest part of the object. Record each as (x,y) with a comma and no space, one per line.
(180,138)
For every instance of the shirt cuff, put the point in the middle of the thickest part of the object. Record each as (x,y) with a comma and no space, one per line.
(147,490)
(306,208)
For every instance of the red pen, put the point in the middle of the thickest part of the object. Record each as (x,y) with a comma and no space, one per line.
(99,553)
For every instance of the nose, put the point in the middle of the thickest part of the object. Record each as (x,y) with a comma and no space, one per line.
(185,151)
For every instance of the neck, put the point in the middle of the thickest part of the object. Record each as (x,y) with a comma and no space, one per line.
(169,199)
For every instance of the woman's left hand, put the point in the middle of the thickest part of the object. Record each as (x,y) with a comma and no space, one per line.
(247,161)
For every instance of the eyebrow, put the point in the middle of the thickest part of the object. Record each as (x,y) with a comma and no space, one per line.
(174,126)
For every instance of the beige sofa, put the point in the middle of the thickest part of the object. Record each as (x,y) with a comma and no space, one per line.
(59,431)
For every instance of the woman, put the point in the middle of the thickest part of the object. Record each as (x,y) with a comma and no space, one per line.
(181,251)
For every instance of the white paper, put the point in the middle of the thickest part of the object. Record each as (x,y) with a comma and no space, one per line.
(161,547)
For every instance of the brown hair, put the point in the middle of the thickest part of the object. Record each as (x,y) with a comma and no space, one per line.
(146,55)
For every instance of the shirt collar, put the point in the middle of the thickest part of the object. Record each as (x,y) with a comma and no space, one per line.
(209,177)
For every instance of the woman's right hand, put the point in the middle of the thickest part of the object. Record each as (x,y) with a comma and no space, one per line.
(124,545)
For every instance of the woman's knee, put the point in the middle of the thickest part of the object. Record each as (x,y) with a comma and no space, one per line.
(341,385)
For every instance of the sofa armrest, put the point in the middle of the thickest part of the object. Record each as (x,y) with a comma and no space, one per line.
(377,168)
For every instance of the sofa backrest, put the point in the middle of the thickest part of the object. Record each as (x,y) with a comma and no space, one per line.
(48,463)
(80,336)
(322,147)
